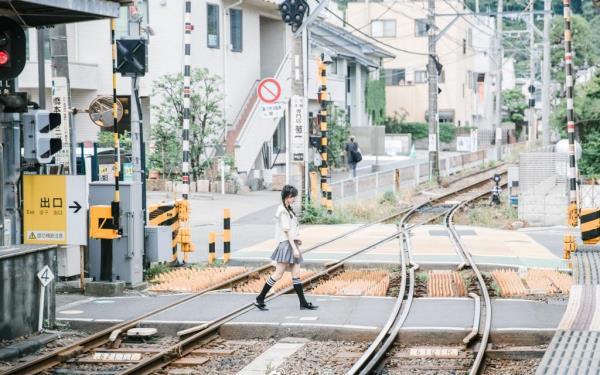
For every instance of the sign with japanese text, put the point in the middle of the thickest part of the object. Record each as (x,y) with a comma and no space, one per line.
(55,210)
(60,104)
(274,110)
(298,123)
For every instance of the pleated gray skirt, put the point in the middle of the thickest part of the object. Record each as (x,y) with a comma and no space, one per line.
(284,253)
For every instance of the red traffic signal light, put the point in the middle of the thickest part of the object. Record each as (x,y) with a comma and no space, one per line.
(4,57)
(12,48)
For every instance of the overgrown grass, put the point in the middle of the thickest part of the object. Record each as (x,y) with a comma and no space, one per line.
(152,272)
(421,276)
(352,213)
(485,215)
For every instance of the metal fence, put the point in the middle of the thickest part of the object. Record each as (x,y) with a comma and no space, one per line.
(543,187)
(374,184)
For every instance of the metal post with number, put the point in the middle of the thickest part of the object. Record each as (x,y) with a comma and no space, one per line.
(45,276)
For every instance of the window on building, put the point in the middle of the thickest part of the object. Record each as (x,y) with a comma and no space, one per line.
(235,22)
(212,25)
(421,27)
(394,77)
(279,138)
(383,28)
(421,76)
(333,67)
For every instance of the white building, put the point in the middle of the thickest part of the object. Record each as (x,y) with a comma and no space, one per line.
(467,80)
(241,42)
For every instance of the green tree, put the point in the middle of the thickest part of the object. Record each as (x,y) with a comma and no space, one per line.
(105,140)
(587,121)
(206,124)
(515,104)
(375,100)
(586,53)
(339,132)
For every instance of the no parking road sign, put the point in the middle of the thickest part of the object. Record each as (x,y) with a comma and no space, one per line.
(269,90)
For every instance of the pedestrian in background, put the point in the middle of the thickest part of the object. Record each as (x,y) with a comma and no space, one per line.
(353,155)
(287,255)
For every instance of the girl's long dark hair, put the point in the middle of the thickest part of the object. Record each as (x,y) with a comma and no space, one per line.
(286,192)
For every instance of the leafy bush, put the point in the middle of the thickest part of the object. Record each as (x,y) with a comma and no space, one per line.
(388,198)
(419,130)
(447,132)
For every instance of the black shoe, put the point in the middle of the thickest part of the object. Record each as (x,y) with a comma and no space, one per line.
(261,306)
(308,306)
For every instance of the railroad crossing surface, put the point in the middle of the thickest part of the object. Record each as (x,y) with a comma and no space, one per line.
(343,317)
(430,245)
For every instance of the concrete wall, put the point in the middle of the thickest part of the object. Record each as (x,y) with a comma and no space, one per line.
(20,289)
(272,33)
(543,209)
(370,139)
(398,144)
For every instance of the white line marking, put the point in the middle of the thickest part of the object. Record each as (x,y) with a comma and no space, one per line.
(445,298)
(76,303)
(71,312)
(75,319)
(438,328)
(254,323)
(291,317)
(175,321)
(109,320)
(324,325)
(309,318)
(526,329)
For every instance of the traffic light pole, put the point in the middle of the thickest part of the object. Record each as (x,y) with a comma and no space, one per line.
(432,76)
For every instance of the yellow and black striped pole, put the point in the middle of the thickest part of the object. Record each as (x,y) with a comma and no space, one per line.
(324,149)
(573,210)
(212,239)
(117,154)
(226,235)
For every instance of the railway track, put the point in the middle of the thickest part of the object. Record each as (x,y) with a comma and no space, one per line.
(203,333)
(373,359)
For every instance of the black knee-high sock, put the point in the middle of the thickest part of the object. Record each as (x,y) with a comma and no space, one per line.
(268,285)
(298,288)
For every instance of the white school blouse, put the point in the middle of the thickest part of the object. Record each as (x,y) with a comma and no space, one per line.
(283,221)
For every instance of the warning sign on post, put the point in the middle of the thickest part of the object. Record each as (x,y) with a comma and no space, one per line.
(55,210)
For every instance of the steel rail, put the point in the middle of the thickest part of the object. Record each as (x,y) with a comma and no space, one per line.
(373,356)
(477,363)
(98,339)
(184,347)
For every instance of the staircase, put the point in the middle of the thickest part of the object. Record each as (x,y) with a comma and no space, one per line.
(250,130)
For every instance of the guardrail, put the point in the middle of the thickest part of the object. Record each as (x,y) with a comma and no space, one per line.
(374,184)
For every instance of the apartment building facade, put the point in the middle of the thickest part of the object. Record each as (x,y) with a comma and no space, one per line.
(241,42)
(467,81)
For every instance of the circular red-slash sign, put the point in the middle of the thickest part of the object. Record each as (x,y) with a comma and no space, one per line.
(269,90)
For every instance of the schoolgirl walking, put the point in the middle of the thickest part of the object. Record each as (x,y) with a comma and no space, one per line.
(287,255)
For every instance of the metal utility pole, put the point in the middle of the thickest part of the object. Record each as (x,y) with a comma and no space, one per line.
(136,124)
(546,76)
(573,209)
(41,35)
(432,75)
(61,96)
(498,119)
(531,89)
